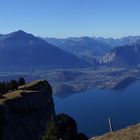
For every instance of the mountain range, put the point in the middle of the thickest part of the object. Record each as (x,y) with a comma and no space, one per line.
(129,40)
(91,47)
(124,56)
(81,46)
(102,51)
(23,51)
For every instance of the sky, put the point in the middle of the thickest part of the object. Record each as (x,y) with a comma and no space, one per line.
(67,18)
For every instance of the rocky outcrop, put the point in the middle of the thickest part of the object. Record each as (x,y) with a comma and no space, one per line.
(130,133)
(64,128)
(25,113)
(67,128)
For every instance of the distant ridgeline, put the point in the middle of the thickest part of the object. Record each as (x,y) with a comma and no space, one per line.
(21,51)
(27,112)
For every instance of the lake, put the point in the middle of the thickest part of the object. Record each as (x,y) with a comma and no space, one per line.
(91,109)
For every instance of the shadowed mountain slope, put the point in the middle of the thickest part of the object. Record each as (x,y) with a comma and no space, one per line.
(20,49)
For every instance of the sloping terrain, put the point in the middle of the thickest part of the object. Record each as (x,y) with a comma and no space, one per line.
(130,133)
(124,56)
(22,50)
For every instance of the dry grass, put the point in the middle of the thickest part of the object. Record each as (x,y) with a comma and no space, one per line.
(130,133)
(14,95)
(32,84)
(11,95)
(18,93)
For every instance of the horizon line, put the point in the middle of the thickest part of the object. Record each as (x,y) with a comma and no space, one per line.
(76,36)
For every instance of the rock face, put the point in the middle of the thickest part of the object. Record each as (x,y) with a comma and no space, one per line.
(25,113)
(67,127)
(130,133)
(125,56)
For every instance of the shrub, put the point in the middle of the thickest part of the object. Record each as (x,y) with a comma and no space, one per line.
(13,85)
(21,81)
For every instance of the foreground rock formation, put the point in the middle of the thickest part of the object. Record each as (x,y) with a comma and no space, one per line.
(130,133)
(26,112)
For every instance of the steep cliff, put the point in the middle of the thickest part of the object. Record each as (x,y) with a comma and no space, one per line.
(26,112)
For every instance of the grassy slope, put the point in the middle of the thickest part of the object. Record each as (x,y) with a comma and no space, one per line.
(129,133)
(21,90)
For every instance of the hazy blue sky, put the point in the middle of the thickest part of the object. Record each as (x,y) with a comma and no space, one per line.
(63,18)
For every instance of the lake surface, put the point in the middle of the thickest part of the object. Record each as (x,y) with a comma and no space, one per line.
(91,109)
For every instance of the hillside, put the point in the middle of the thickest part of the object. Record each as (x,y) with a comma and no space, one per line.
(130,133)
(21,50)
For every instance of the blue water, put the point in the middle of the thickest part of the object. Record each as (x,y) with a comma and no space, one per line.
(91,109)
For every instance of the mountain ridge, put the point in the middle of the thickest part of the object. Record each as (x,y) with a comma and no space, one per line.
(21,48)
(91,48)
(81,46)
(125,56)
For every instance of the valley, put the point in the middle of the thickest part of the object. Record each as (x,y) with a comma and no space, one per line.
(68,81)
(78,80)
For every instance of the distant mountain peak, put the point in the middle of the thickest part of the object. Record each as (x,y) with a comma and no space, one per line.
(18,35)
(26,50)
(21,33)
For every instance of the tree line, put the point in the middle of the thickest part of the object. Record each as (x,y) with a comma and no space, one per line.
(12,85)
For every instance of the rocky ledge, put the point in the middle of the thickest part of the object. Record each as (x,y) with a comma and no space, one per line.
(26,112)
